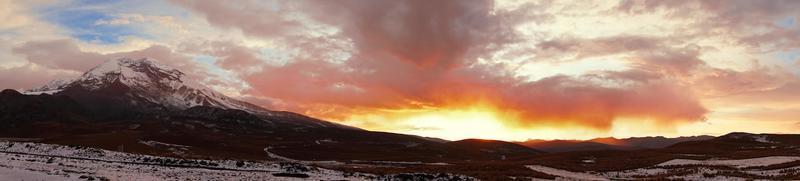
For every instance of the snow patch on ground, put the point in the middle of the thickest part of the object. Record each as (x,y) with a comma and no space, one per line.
(276,156)
(685,169)
(709,169)
(174,148)
(156,144)
(565,174)
(741,163)
(762,139)
(9,173)
(36,161)
(398,162)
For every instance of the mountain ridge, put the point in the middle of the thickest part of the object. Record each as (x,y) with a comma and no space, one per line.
(610,143)
(148,81)
(135,101)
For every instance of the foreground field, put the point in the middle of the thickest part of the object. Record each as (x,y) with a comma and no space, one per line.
(35,161)
(736,156)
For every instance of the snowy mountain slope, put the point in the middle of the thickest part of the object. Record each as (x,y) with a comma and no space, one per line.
(148,80)
(128,86)
(51,87)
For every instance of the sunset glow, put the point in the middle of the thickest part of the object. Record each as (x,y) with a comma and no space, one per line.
(505,69)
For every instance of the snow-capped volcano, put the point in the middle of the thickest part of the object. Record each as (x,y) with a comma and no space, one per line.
(148,80)
(51,87)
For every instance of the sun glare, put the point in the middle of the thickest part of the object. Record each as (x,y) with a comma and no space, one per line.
(457,124)
(481,121)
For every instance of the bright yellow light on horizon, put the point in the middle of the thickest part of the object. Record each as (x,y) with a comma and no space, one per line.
(485,124)
(457,124)
(482,122)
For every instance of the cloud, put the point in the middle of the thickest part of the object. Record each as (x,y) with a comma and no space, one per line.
(668,58)
(18,19)
(784,94)
(729,18)
(30,76)
(65,54)
(233,56)
(581,101)
(125,19)
(59,54)
(423,54)
(423,33)
(122,20)
(721,82)
(249,16)
(63,57)
(581,48)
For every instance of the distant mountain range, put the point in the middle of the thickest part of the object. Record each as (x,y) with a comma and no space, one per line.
(609,143)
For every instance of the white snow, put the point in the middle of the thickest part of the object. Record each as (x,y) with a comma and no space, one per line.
(324,141)
(399,162)
(151,80)
(702,170)
(35,161)
(176,149)
(741,163)
(10,173)
(565,174)
(693,170)
(51,87)
(762,139)
(156,143)
(276,156)
(41,92)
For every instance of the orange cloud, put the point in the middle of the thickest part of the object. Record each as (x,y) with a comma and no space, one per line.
(423,55)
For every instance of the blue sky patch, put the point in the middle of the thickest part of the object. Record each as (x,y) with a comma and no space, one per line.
(80,17)
(789,60)
(787,22)
(789,56)
(210,63)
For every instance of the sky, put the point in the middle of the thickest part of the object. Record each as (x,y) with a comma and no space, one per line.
(508,70)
